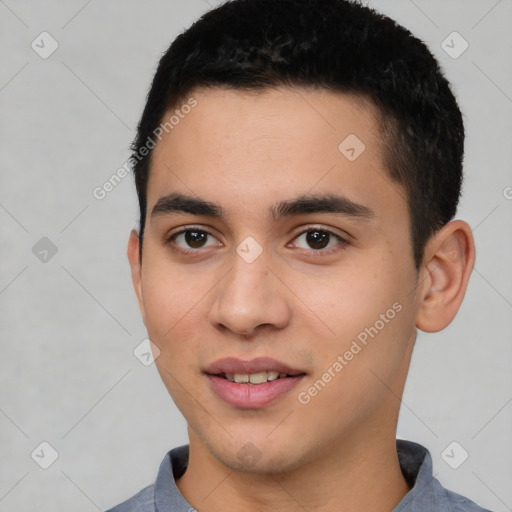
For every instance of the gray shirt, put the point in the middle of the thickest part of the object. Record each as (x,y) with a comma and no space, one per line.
(426,494)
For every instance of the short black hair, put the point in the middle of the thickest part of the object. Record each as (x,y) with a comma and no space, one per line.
(335,45)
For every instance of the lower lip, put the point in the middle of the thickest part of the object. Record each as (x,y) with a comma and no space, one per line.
(252,396)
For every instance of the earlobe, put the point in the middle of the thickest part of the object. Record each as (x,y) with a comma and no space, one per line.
(133,253)
(448,263)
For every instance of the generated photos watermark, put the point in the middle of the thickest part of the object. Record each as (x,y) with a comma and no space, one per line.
(101,191)
(357,345)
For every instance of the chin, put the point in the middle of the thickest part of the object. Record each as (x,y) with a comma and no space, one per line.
(258,457)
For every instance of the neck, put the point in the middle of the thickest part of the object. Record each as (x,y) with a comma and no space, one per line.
(346,478)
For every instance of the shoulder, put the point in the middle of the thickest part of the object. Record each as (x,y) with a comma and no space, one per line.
(163,494)
(457,503)
(143,501)
(426,493)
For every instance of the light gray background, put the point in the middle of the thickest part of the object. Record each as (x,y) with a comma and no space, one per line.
(69,326)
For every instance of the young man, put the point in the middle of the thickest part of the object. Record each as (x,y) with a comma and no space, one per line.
(298,166)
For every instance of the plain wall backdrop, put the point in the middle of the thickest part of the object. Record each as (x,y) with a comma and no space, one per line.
(68,317)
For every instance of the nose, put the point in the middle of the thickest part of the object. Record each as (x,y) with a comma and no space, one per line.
(250,299)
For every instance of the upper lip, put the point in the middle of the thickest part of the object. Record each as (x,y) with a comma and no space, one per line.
(256,365)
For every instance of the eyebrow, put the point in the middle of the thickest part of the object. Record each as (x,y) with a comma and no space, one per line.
(181,203)
(325,203)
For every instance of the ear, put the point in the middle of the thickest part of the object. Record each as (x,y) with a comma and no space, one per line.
(444,275)
(133,253)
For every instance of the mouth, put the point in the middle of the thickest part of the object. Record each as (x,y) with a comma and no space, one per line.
(252,384)
(255,378)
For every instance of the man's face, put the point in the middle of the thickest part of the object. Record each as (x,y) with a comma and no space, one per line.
(254,273)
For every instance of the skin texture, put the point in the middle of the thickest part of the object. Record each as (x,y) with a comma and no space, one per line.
(302,306)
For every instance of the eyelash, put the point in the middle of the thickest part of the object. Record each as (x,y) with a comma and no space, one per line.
(342,242)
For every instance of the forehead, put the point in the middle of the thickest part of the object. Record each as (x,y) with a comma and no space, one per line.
(241,147)
(278,118)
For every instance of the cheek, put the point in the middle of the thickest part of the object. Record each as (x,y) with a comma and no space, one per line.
(174,303)
(170,297)
(172,320)
(350,299)
(366,317)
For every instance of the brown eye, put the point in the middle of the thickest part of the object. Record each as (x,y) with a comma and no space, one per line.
(195,239)
(317,239)
(189,239)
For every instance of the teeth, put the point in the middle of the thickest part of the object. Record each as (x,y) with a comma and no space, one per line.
(254,378)
(258,378)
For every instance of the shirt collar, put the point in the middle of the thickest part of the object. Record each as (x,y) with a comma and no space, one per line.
(166,493)
(416,465)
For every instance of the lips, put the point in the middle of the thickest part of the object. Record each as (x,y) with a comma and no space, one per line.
(241,384)
(232,365)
